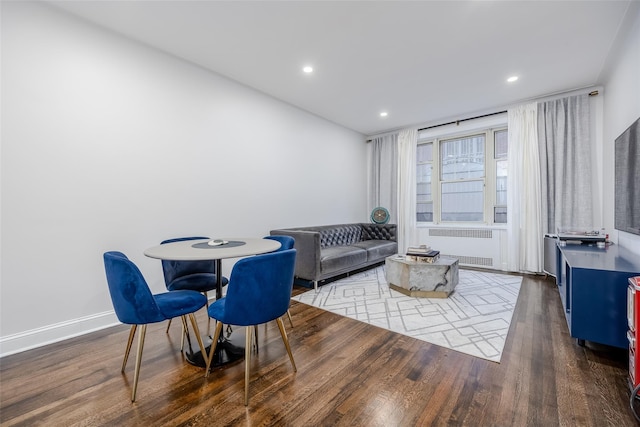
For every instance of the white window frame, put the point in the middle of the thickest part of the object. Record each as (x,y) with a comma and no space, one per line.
(436,136)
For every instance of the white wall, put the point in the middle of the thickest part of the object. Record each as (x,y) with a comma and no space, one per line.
(621,108)
(110,145)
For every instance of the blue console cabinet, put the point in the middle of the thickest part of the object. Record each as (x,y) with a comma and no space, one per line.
(593,288)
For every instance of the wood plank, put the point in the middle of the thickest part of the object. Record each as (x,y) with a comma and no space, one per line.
(349,373)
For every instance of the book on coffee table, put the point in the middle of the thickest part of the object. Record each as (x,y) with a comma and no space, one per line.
(418,250)
(428,257)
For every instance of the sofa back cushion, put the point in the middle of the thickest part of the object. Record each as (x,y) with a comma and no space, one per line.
(378,231)
(340,235)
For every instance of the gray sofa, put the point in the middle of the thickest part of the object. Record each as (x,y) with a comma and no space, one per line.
(330,250)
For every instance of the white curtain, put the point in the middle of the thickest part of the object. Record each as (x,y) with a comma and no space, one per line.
(524,213)
(407,141)
(383,175)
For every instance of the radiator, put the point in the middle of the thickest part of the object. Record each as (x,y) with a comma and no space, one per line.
(474,247)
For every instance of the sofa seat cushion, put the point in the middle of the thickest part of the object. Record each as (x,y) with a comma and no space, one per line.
(337,258)
(378,249)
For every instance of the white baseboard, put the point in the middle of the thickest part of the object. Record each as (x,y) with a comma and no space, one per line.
(49,334)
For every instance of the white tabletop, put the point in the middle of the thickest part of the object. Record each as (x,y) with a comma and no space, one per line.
(185,250)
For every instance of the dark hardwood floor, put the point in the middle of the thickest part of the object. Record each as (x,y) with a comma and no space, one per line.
(349,374)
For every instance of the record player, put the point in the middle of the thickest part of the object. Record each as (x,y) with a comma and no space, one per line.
(581,236)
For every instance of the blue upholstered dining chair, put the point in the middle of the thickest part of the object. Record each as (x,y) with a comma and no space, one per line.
(191,275)
(259,291)
(286,242)
(135,305)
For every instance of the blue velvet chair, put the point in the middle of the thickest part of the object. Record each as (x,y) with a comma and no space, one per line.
(286,242)
(135,305)
(198,276)
(259,291)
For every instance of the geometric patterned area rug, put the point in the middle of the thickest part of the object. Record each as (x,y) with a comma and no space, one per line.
(474,319)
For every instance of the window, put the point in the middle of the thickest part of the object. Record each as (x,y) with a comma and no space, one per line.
(468,181)
(424,197)
(462,179)
(500,157)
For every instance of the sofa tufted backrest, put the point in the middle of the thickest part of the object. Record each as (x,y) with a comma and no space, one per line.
(379,232)
(346,234)
(339,235)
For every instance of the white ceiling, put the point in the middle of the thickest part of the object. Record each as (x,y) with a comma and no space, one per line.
(422,61)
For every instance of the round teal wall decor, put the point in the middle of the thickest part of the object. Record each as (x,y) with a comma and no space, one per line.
(379,215)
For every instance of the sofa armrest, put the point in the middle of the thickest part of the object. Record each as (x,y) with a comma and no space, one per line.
(307,244)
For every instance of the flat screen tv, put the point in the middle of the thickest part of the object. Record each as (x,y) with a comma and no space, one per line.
(627,180)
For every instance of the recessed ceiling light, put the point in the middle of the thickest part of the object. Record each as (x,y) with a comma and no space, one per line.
(308,69)
(512,79)
(384,114)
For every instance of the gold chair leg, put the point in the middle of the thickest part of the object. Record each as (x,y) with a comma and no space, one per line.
(212,350)
(286,342)
(136,375)
(196,330)
(168,326)
(247,363)
(290,319)
(132,333)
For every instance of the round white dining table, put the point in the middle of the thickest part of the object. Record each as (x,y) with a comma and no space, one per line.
(198,250)
(201,250)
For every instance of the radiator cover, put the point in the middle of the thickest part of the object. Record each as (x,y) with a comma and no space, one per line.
(474,247)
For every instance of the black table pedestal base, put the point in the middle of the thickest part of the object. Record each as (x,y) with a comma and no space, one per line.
(228,350)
